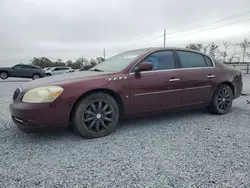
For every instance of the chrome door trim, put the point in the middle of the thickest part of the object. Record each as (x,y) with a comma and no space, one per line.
(192,88)
(146,72)
(157,92)
(171,69)
(168,91)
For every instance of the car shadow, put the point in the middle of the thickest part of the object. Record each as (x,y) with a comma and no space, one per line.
(126,126)
(122,127)
(160,118)
(13,81)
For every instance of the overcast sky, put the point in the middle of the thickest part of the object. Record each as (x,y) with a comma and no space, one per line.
(67,29)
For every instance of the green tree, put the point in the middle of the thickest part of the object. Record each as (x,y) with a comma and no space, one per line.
(59,63)
(42,62)
(99,60)
(69,63)
(76,65)
(195,46)
(82,61)
(93,62)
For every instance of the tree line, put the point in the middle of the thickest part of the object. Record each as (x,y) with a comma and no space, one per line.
(229,53)
(80,63)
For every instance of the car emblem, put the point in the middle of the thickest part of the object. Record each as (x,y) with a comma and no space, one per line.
(117,78)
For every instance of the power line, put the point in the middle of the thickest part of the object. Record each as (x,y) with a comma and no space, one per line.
(220,20)
(226,18)
(203,30)
(143,41)
(211,28)
(151,40)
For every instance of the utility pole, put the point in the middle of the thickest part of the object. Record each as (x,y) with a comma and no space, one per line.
(164,37)
(104,53)
(83,63)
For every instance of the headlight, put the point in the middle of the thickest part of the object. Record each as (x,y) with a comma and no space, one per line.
(42,94)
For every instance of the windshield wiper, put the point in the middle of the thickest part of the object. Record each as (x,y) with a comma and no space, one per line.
(97,70)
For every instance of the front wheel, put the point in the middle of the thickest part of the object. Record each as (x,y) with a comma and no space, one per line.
(96,115)
(222,100)
(35,76)
(4,75)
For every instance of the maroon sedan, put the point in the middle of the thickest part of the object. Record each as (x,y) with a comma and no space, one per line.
(132,83)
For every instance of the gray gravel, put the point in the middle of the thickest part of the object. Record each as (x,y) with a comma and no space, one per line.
(187,149)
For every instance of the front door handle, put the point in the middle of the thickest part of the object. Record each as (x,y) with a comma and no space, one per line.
(174,80)
(211,76)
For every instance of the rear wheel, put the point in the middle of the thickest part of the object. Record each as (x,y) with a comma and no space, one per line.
(96,115)
(35,76)
(222,100)
(4,75)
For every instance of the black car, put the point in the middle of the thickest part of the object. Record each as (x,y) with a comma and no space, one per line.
(22,71)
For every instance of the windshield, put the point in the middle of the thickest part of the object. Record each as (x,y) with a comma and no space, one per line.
(46,69)
(118,62)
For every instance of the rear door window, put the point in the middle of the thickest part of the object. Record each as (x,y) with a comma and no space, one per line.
(191,59)
(208,61)
(65,68)
(17,67)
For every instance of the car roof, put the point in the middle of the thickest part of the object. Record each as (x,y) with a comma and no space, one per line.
(28,65)
(152,49)
(61,67)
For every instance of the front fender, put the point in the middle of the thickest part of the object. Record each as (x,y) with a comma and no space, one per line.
(74,91)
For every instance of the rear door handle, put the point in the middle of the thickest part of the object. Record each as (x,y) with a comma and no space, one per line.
(211,76)
(174,80)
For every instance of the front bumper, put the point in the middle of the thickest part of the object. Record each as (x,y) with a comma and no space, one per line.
(40,117)
(43,75)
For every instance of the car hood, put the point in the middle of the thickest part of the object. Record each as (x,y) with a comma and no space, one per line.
(63,79)
(4,68)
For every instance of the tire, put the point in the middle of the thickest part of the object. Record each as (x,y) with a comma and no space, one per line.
(91,122)
(47,74)
(222,100)
(35,76)
(4,75)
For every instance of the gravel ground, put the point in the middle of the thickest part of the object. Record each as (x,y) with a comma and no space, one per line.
(187,149)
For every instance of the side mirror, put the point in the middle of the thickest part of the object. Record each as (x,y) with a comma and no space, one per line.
(144,66)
